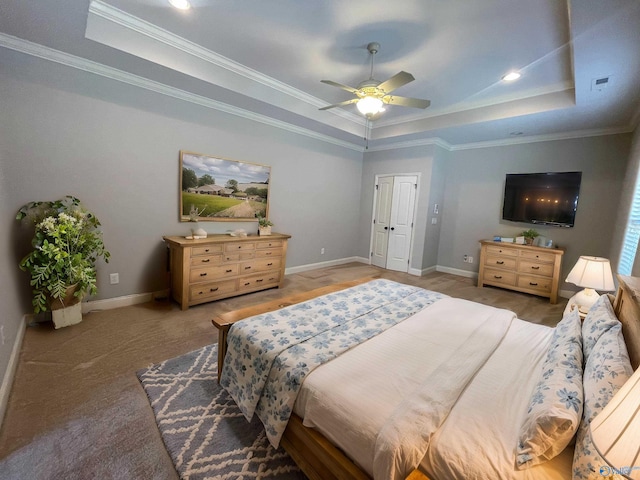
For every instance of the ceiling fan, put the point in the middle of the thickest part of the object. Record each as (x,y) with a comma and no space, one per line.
(372,95)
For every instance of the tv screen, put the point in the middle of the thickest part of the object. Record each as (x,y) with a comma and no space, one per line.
(542,198)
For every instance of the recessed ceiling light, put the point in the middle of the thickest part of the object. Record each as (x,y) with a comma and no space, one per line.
(511,76)
(180,4)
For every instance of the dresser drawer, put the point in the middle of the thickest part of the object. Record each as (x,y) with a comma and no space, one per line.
(203,260)
(508,263)
(495,250)
(269,252)
(539,284)
(236,257)
(239,247)
(269,244)
(539,256)
(211,289)
(257,281)
(260,265)
(212,273)
(500,276)
(206,250)
(527,266)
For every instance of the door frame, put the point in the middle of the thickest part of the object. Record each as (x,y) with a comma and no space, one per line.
(413,219)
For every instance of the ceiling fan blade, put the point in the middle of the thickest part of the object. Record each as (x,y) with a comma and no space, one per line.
(398,80)
(339,85)
(406,101)
(341,104)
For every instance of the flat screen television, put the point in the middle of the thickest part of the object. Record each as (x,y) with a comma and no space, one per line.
(542,198)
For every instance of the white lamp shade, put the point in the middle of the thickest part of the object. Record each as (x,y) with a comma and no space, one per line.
(370,105)
(592,272)
(615,432)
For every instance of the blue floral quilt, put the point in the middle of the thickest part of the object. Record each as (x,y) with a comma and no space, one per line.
(269,355)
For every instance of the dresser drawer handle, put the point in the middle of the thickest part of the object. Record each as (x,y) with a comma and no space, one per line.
(268,253)
(203,274)
(535,268)
(206,250)
(269,264)
(497,276)
(259,280)
(247,268)
(214,289)
(500,262)
(247,284)
(533,284)
(239,246)
(228,271)
(206,260)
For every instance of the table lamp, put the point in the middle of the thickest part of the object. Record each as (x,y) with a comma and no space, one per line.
(592,273)
(615,431)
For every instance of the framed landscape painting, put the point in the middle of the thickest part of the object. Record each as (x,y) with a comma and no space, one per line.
(218,189)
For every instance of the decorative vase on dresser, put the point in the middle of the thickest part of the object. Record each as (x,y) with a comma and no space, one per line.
(221,266)
(522,268)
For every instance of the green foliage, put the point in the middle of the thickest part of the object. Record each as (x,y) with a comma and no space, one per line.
(67,243)
(206,179)
(189,178)
(531,233)
(211,204)
(263,222)
(232,185)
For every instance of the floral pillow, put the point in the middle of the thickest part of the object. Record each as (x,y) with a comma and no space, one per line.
(555,408)
(599,319)
(606,370)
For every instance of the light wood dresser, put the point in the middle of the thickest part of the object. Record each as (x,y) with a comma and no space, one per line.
(523,268)
(222,266)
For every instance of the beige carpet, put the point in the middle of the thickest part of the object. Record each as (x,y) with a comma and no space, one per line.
(77,410)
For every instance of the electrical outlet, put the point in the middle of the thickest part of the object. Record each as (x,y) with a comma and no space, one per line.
(322,251)
(434,220)
(470,259)
(465,259)
(114,278)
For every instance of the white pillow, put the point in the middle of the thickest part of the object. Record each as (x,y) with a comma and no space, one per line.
(599,319)
(555,408)
(606,370)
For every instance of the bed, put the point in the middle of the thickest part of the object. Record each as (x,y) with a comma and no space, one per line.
(420,423)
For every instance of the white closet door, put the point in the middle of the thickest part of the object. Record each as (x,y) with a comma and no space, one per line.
(401,222)
(384,194)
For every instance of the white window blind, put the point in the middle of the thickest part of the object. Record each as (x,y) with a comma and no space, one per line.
(631,236)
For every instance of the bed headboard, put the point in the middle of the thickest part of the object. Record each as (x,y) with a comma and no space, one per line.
(627,308)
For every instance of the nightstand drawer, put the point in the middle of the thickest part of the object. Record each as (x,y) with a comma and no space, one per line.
(208,250)
(508,263)
(499,276)
(544,269)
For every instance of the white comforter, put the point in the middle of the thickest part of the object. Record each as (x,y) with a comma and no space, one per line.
(354,398)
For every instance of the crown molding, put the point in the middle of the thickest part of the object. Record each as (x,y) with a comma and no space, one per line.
(66,59)
(413,143)
(544,138)
(153,32)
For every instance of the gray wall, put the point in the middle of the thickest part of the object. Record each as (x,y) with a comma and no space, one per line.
(122,162)
(475,185)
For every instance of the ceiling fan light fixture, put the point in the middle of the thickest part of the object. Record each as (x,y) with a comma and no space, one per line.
(511,76)
(180,4)
(370,105)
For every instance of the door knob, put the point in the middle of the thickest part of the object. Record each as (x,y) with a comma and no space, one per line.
(393,228)
(386,228)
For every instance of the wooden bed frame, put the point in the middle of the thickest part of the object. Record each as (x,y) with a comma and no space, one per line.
(316,456)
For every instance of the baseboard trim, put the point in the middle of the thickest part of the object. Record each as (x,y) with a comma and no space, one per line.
(9,374)
(329,263)
(457,271)
(124,301)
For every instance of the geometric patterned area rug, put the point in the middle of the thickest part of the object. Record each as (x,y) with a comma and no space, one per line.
(204,431)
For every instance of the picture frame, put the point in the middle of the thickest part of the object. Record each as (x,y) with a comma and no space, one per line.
(214,189)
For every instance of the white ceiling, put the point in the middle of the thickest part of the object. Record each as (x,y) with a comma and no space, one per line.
(265,59)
